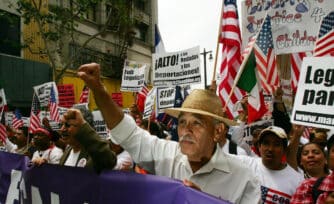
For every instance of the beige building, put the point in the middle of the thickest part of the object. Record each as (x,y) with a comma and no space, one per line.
(109,48)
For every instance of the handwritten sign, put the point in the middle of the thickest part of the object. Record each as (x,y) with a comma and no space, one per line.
(133,76)
(295,24)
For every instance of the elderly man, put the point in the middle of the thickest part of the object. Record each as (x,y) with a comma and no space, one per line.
(88,151)
(196,159)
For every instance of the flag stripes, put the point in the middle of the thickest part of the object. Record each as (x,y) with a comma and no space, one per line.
(54,113)
(17,119)
(34,119)
(325,42)
(230,37)
(3,133)
(84,95)
(266,59)
(296,63)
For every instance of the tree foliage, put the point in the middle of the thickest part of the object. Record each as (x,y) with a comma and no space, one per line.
(57,27)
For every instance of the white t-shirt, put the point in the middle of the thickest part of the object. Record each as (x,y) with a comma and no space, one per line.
(52,155)
(72,158)
(240,151)
(277,186)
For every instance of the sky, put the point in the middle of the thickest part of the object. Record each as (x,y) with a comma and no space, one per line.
(185,24)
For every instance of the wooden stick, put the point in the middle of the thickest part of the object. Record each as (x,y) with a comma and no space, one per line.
(217,44)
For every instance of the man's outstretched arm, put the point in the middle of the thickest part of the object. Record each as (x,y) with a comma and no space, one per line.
(111,112)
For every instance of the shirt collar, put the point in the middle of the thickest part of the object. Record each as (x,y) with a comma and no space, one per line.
(218,161)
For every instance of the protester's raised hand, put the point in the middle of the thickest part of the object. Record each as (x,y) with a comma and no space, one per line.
(74,117)
(90,74)
(297,130)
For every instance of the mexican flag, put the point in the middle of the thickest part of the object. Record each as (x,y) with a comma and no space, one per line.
(249,82)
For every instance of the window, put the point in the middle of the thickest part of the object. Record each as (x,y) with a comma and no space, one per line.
(141,31)
(92,12)
(140,4)
(113,13)
(10,34)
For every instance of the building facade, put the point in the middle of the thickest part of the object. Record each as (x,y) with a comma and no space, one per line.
(100,36)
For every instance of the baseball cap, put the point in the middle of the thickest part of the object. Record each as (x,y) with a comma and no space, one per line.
(278,131)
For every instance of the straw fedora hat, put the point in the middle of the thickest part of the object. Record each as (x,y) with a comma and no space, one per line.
(202,102)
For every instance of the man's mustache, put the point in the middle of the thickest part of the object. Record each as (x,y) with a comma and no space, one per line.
(186,138)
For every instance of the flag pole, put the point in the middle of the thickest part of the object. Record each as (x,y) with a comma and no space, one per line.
(237,79)
(217,44)
(251,44)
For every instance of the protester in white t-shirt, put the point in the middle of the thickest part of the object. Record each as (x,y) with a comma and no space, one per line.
(46,152)
(278,179)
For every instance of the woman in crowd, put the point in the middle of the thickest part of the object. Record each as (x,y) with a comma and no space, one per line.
(313,160)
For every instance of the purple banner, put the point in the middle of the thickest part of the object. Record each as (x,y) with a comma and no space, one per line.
(59,184)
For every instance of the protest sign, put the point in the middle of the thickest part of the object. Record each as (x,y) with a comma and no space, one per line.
(314,101)
(66,95)
(295,24)
(149,103)
(165,98)
(43,93)
(133,77)
(176,68)
(100,125)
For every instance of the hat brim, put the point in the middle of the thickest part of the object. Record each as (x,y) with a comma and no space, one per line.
(175,112)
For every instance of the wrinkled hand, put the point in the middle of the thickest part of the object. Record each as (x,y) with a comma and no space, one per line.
(126,166)
(190,184)
(75,117)
(90,74)
(39,161)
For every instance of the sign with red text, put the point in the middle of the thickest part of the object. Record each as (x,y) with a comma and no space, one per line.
(66,95)
(295,24)
(314,101)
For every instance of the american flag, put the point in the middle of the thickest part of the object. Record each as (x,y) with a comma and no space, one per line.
(17,119)
(179,98)
(266,59)
(296,64)
(141,96)
(34,119)
(54,113)
(325,42)
(230,37)
(272,196)
(3,133)
(84,95)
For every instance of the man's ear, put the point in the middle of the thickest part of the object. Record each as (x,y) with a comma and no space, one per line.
(217,137)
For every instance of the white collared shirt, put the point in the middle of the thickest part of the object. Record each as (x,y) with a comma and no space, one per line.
(223,176)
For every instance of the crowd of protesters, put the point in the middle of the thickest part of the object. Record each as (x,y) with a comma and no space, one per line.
(211,155)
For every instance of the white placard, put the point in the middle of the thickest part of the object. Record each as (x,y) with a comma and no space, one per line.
(314,101)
